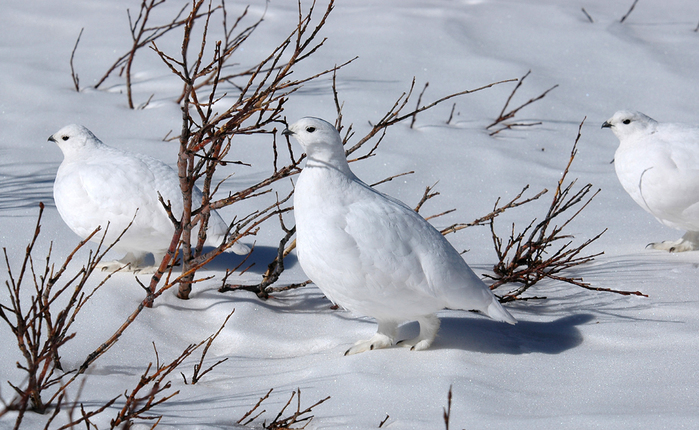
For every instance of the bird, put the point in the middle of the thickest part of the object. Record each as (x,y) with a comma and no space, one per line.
(658,165)
(372,254)
(98,185)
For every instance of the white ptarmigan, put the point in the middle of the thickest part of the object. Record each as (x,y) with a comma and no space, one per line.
(98,185)
(658,165)
(372,254)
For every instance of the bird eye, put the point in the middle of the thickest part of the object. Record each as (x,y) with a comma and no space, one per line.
(627,121)
(65,138)
(310,129)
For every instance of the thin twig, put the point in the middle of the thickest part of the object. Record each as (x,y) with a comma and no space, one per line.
(623,18)
(73,74)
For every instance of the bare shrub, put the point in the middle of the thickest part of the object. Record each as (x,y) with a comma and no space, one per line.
(41,317)
(542,249)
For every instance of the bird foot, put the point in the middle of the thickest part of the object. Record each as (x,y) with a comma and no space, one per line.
(680,245)
(120,266)
(416,344)
(378,341)
(429,325)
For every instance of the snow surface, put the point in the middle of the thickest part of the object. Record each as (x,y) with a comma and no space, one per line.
(580,359)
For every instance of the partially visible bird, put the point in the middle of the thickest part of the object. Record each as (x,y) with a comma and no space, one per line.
(372,254)
(658,165)
(98,185)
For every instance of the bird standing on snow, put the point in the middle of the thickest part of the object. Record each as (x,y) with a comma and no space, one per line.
(658,165)
(98,185)
(372,254)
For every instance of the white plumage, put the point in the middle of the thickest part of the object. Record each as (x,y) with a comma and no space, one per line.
(372,254)
(658,165)
(98,185)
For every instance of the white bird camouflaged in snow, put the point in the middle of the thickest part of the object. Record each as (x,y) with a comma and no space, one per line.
(372,254)
(97,184)
(658,165)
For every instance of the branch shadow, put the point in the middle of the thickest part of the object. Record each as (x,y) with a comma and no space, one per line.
(257,263)
(26,190)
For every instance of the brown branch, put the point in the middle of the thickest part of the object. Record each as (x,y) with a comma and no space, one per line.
(280,422)
(504,116)
(76,80)
(419,100)
(196,376)
(390,178)
(497,210)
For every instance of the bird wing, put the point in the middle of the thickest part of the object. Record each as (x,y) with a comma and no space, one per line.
(376,256)
(406,241)
(111,186)
(670,188)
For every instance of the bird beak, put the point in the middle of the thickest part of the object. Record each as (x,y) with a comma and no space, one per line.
(606,125)
(287,132)
(51,139)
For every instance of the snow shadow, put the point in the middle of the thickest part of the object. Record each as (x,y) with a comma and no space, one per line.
(491,337)
(260,258)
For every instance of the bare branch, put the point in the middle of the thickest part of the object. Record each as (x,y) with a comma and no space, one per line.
(504,116)
(76,81)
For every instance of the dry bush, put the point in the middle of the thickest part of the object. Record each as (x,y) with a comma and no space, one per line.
(41,317)
(542,249)
(281,422)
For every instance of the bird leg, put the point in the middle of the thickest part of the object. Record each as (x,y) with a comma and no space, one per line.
(429,325)
(382,339)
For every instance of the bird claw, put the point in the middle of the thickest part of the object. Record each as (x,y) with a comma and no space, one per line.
(417,344)
(114,266)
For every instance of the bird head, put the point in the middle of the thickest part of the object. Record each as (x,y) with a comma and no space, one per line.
(320,140)
(73,138)
(626,124)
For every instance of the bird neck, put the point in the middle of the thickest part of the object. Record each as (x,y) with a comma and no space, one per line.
(329,157)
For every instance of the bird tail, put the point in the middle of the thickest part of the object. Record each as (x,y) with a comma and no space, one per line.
(215,240)
(498,313)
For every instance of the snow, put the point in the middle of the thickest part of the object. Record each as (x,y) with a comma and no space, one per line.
(580,359)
